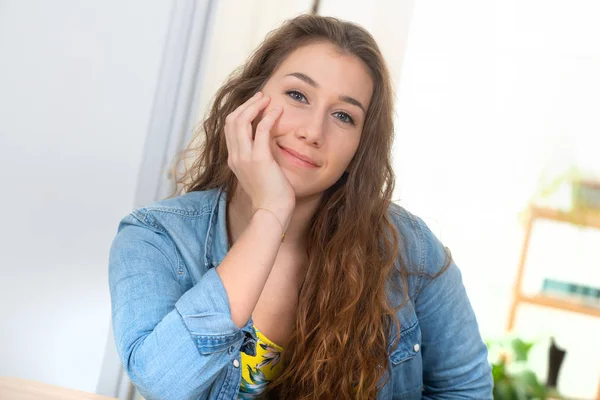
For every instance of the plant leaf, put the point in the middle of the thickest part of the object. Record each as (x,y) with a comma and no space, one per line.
(521,349)
(499,371)
(528,382)
(504,390)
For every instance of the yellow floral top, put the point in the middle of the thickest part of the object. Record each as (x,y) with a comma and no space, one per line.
(261,369)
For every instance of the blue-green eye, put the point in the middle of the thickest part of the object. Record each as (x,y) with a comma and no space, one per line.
(296,95)
(345,117)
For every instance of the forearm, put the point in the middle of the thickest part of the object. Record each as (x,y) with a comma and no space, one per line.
(247,265)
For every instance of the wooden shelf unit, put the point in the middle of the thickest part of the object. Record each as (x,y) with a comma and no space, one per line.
(590,219)
(585,218)
(561,304)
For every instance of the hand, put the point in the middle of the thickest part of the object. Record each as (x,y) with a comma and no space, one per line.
(252,162)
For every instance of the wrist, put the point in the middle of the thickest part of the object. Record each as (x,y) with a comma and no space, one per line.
(282,212)
(274,221)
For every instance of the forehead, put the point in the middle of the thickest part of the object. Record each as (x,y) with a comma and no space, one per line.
(335,73)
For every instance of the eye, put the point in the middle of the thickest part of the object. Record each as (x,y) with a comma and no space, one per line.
(296,95)
(344,117)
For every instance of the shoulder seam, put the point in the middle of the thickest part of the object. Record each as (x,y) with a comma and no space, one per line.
(139,214)
(184,213)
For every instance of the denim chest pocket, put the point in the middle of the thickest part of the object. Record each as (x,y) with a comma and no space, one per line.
(406,365)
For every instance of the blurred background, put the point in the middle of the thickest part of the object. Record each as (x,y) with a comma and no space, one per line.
(497,149)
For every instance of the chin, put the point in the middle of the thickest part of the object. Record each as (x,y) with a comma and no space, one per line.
(304,188)
(301,188)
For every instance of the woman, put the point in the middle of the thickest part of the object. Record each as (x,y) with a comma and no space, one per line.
(284,270)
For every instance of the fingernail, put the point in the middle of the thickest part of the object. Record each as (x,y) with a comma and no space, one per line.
(276,108)
(258,94)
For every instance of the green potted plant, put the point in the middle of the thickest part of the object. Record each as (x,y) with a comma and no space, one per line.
(513,379)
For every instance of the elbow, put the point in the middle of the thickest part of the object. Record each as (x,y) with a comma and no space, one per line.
(144,372)
(136,367)
(155,377)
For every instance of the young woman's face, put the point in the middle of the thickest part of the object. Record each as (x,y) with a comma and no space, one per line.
(324,96)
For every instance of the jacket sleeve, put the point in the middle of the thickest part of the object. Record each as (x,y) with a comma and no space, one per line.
(455,358)
(172,343)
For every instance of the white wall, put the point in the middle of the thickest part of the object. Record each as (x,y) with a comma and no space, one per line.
(77,80)
(492,93)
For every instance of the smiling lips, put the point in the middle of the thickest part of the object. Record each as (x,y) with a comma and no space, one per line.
(299,158)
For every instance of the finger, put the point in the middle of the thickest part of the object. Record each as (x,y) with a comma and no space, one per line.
(230,128)
(252,110)
(263,130)
(231,144)
(244,126)
(257,96)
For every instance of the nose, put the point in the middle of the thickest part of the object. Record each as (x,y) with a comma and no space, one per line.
(312,129)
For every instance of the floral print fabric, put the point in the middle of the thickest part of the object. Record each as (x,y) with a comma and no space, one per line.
(261,369)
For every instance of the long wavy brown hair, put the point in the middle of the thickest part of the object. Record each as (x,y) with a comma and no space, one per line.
(339,347)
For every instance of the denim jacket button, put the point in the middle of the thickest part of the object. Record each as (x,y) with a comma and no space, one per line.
(236,363)
(416,347)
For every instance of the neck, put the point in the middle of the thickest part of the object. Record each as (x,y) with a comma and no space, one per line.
(239,214)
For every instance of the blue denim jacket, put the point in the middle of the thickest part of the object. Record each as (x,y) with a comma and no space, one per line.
(173,327)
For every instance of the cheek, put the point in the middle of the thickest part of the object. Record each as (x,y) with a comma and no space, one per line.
(287,123)
(346,144)
(344,152)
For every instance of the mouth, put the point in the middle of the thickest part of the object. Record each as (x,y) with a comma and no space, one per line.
(298,158)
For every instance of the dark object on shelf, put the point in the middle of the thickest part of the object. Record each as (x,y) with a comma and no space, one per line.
(555,358)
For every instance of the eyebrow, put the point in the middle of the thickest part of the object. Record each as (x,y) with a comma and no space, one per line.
(311,82)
